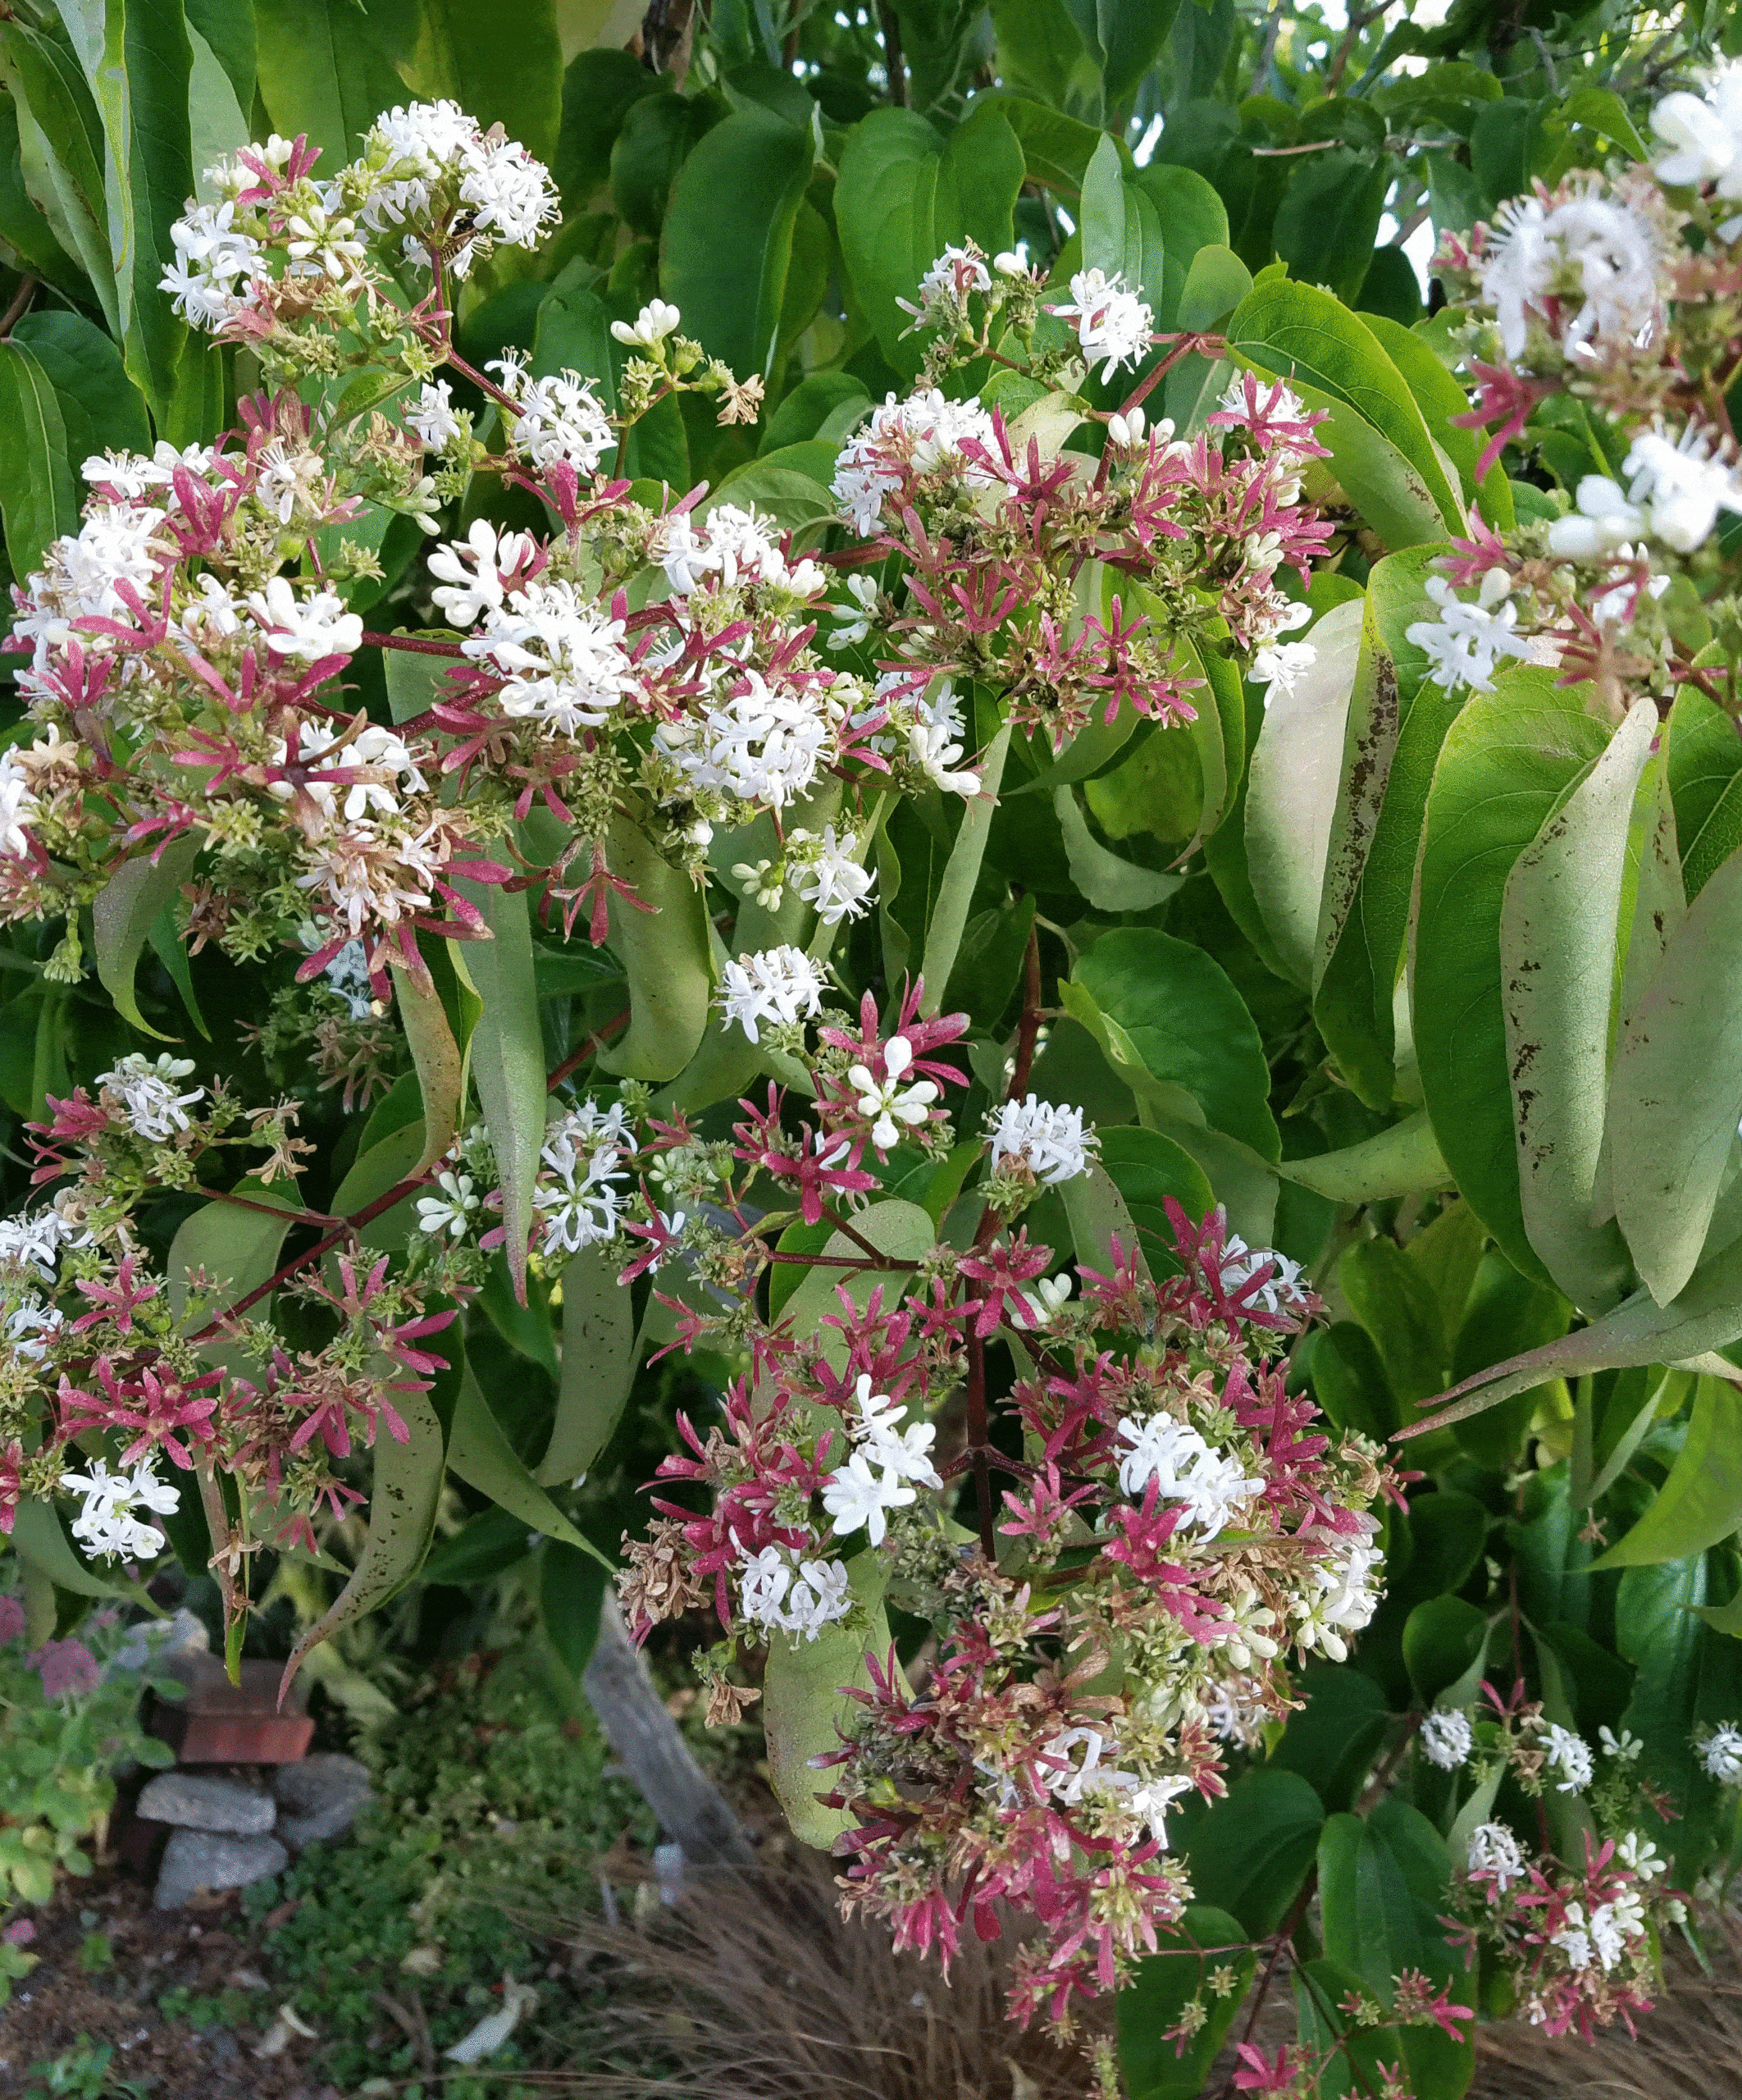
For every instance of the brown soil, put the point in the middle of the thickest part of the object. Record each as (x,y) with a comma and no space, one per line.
(206,1951)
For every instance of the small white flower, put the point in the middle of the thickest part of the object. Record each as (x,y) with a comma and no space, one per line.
(945,288)
(651,326)
(852,623)
(309,627)
(1569,1754)
(1013,262)
(19,807)
(1603,521)
(1720,1753)
(1572,1939)
(1126,432)
(477,575)
(453,1211)
(1636,1852)
(1624,1748)
(109,1524)
(1492,1850)
(781,985)
(858,1498)
(1446,1738)
(1704,133)
(1281,1292)
(1113,324)
(1601,245)
(886,1104)
(1279,666)
(832,882)
(1049,1141)
(1466,643)
(146,1092)
(434,419)
(924,434)
(939,759)
(1686,482)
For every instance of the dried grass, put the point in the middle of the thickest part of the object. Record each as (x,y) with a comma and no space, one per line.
(1689,2048)
(754,1987)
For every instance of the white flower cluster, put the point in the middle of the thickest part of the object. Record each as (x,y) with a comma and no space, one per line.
(1493,1849)
(1347,1597)
(558,417)
(1114,326)
(763,744)
(1186,1469)
(1704,134)
(889,1465)
(777,1590)
(922,435)
(1569,1755)
(1597,253)
(1049,1141)
(1720,1753)
(585,1152)
(945,288)
(1677,486)
(452,1212)
(215,264)
(386,768)
(1447,1737)
(503,192)
(146,1093)
(734,546)
(563,657)
(780,985)
(1605,1933)
(1465,644)
(1282,1291)
(109,1524)
(1073,1769)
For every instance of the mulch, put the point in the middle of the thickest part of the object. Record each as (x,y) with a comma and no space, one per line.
(206,1951)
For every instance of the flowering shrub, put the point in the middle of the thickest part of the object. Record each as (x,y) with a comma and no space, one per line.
(1085,862)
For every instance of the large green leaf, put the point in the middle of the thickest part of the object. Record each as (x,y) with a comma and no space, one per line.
(1506,761)
(121,918)
(1329,216)
(38,490)
(1295,331)
(598,1365)
(1250,1853)
(235,1248)
(24,227)
(480,1452)
(514,80)
(1559,933)
(405,1492)
(323,74)
(436,1058)
(1393,1163)
(1395,1303)
(805,1705)
(727,242)
(100,406)
(1441,399)
(1357,2059)
(1382,1887)
(61,151)
(507,1054)
(1701,1502)
(665,956)
(1676,1091)
(1162,1985)
(961,871)
(141,85)
(904,194)
(1121,231)
(1293,787)
(1179,1012)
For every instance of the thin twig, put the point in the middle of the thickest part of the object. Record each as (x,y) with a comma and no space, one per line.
(892,60)
(21,305)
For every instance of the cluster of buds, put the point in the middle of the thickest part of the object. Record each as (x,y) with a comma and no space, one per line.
(1615,296)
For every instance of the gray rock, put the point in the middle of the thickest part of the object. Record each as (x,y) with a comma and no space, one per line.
(319,1798)
(157,1641)
(203,1859)
(202,1800)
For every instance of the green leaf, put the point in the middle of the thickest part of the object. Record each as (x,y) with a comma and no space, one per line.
(727,242)
(506,1054)
(571,1593)
(216,126)
(404,1494)
(1121,231)
(1395,1303)
(479,1451)
(961,872)
(900,1229)
(1506,761)
(1161,1985)
(665,956)
(903,194)
(1559,923)
(514,80)
(1441,399)
(1249,1854)
(122,915)
(1701,1501)
(1105,881)
(599,89)
(1705,758)
(483,1547)
(40,1541)
(237,1248)
(1193,218)
(1442,1638)
(141,88)
(323,74)
(61,151)
(804,1705)
(1688,1673)
(1056,148)
(1097,1213)
(1676,1085)
(1187,1025)
(1382,1886)
(1328,218)
(1357,2059)
(436,1058)
(38,495)
(1130,35)
(1296,332)
(1331,1741)
(1292,789)
(24,226)
(1146,1168)
(100,407)
(1394,1163)
(598,1365)
(227,27)
(1601,110)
